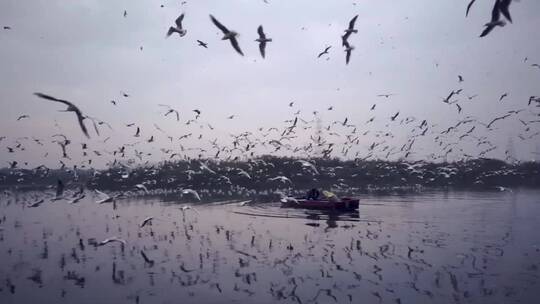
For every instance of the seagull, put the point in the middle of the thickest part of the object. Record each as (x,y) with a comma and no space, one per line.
(469,7)
(191,192)
(324,52)
(385,95)
(36,204)
(262,40)
(71,108)
(106,198)
(281,178)
(22,116)
(147,220)
(535,65)
(460,78)
(171,110)
(185,208)
(142,187)
(307,164)
(77,199)
(503,96)
(395,116)
(178,29)
(112,239)
(138,132)
(203,44)
(228,35)
(495,19)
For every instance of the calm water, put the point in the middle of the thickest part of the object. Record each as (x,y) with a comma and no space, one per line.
(437,247)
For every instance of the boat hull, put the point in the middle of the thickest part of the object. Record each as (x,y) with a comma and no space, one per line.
(344,204)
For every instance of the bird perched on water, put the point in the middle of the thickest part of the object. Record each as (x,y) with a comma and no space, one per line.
(262,40)
(178,29)
(228,35)
(71,108)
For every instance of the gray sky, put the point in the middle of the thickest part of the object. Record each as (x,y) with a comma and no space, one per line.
(87,52)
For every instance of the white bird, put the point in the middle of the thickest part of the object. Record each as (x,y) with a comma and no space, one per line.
(178,29)
(243,173)
(106,198)
(280,178)
(192,193)
(185,208)
(306,164)
(142,187)
(112,239)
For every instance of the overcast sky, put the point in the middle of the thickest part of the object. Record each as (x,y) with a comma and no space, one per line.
(87,52)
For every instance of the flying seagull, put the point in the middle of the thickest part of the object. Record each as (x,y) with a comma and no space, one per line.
(324,52)
(262,40)
(228,35)
(178,29)
(495,19)
(203,44)
(71,108)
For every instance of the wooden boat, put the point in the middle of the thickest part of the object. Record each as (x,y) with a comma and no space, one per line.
(342,204)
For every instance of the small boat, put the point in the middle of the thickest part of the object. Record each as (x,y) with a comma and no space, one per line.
(342,204)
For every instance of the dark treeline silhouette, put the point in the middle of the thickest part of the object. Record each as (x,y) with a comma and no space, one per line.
(270,173)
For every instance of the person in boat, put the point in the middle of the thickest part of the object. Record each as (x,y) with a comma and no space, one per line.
(330,196)
(313,194)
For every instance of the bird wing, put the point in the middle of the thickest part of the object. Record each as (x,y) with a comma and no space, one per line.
(235,45)
(219,25)
(262,46)
(351,23)
(348,57)
(48,97)
(344,38)
(80,118)
(496,12)
(504,5)
(178,21)
(261,32)
(170,31)
(469,7)
(487,30)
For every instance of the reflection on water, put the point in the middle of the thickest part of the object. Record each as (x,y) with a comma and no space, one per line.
(440,247)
